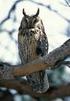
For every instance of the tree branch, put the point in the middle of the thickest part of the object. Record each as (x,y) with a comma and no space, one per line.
(8,73)
(10,11)
(67,3)
(50,60)
(25,88)
(20,86)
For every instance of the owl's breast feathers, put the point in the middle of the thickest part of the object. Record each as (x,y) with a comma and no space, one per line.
(27,45)
(32,43)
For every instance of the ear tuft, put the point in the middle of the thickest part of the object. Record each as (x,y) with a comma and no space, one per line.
(24,13)
(37,13)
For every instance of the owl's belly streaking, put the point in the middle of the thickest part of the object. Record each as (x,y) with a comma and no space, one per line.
(27,47)
(27,51)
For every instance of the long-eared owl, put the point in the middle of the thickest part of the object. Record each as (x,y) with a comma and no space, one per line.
(33,43)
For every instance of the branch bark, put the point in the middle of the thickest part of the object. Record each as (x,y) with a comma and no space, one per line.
(25,88)
(8,73)
(50,60)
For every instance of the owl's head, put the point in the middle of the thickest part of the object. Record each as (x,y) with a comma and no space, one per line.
(30,21)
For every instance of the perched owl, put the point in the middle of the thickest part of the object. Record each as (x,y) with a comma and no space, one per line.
(33,43)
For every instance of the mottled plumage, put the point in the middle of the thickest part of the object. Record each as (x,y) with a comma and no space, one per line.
(32,43)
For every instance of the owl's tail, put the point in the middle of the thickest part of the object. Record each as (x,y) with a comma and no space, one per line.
(39,81)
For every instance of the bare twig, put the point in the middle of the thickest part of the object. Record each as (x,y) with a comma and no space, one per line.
(67,3)
(10,11)
(51,9)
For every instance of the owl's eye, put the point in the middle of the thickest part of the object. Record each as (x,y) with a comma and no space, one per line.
(35,20)
(26,19)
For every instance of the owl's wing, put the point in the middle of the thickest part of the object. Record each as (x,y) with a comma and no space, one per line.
(42,46)
(21,48)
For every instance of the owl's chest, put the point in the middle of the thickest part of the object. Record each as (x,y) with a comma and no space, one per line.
(28,47)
